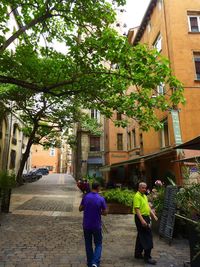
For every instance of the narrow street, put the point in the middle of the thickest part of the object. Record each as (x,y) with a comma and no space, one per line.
(44,228)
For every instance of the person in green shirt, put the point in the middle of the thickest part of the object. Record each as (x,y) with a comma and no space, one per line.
(143,214)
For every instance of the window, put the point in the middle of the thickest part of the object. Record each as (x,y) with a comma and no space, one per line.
(129,141)
(94,143)
(15,130)
(158,43)
(52,152)
(14,137)
(95,114)
(12,159)
(165,134)
(194,23)
(149,26)
(197,65)
(141,143)
(161,89)
(119,116)
(119,141)
(134,138)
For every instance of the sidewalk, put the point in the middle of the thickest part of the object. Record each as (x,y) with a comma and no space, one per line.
(44,229)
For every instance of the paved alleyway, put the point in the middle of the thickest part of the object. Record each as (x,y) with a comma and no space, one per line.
(44,229)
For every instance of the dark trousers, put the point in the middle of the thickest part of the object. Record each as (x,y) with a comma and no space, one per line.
(93,256)
(144,240)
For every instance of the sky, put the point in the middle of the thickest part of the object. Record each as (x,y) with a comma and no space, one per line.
(135,10)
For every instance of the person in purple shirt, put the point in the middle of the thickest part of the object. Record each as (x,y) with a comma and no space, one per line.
(93,206)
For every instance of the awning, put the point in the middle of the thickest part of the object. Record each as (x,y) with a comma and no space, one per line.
(193,144)
(159,153)
(95,160)
(145,158)
(105,168)
(137,160)
(126,162)
(191,159)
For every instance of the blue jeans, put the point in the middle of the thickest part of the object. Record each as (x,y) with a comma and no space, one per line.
(93,256)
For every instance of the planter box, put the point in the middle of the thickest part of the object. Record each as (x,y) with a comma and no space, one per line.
(117,208)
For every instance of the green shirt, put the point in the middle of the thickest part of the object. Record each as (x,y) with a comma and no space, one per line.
(141,202)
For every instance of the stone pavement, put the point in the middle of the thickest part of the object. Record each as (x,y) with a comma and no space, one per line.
(44,228)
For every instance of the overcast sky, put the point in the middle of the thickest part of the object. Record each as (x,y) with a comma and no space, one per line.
(135,12)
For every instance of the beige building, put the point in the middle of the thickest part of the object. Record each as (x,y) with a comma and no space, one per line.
(12,143)
(88,156)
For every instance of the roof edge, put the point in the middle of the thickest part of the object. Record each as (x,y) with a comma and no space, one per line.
(144,22)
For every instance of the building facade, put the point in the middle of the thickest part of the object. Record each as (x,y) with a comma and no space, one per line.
(88,155)
(48,158)
(173,28)
(12,143)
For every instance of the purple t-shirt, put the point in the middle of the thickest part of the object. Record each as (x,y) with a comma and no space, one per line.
(93,204)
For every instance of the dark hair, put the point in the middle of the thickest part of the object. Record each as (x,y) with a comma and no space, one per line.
(95,185)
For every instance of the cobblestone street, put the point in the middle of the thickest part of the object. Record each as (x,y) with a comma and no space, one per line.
(44,228)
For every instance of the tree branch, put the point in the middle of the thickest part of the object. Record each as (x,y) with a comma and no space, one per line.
(23,29)
(48,89)
(26,85)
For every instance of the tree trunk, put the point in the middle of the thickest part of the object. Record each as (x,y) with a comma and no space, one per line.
(26,155)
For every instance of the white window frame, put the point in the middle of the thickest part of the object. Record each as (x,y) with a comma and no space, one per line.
(163,143)
(198,22)
(161,89)
(158,43)
(133,138)
(96,114)
(149,26)
(52,152)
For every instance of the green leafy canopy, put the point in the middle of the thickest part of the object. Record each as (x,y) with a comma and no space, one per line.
(82,74)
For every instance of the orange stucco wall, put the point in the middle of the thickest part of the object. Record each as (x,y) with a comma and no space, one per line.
(178,44)
(42,158)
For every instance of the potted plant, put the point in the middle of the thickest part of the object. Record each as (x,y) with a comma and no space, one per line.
(7,182)
(156,199)
(119,201)
(188,203)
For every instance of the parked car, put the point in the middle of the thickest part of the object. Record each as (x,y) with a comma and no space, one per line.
(42,171)
(31,177)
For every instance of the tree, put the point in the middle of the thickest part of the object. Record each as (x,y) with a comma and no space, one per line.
(83,26)
(44,119)
(95,68)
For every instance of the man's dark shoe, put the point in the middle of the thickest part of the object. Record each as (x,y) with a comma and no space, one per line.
(139,256)
(150,261)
